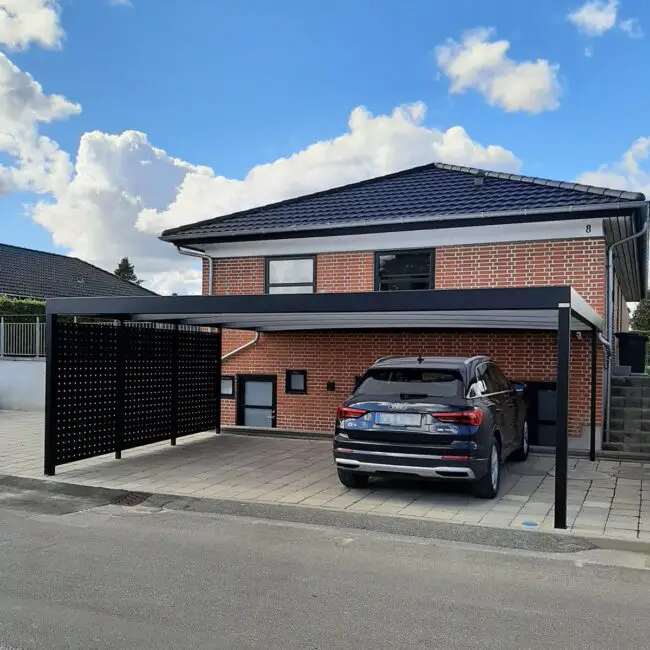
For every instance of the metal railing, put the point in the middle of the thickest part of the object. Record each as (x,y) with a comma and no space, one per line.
(22,339)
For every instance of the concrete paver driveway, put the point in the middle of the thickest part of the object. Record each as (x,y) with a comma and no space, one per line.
(608,498)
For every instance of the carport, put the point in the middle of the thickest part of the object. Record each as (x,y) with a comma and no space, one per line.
(126,372)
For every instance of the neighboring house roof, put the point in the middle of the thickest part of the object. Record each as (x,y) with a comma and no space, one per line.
(436,191)
(27,273)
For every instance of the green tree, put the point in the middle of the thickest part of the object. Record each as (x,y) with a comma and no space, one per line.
(641,318)
(126,271)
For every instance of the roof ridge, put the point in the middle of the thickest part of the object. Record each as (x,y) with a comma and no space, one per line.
(40,252)
(565,185)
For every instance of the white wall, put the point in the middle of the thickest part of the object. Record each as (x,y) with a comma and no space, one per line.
(22,384)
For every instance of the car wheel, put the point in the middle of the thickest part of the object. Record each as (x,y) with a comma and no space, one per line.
(352,480)
(487,487)
(522,453)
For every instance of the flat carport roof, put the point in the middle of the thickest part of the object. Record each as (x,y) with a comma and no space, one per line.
(529,308)
(555,308)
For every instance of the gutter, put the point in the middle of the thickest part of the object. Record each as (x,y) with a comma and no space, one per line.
(175,234)
(609,307)
(205,256)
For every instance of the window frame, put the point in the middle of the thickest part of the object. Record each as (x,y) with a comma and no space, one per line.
(287,381)
(481,369)
(232,380)
(432,262)
(283,258)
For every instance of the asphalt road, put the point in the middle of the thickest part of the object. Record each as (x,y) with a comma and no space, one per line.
(77,574)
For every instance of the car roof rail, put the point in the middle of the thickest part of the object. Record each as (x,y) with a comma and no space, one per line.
(390,356)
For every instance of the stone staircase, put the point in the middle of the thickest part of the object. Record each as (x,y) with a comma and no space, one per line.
(629,422)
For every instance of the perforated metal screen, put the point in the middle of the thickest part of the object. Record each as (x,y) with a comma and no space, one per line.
(115,387)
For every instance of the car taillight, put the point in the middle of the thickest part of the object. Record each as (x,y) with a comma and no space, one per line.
(472,417)
(345,412)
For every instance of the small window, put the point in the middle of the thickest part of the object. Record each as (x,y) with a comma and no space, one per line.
(290,274)
(227,386)
(296,382)
(403,270)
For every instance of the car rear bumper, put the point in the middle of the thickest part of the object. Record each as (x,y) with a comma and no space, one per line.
(443,471)
(432,461)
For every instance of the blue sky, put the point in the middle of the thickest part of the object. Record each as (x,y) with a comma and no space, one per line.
(230,85)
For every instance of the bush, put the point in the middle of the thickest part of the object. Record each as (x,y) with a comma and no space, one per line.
(19,309)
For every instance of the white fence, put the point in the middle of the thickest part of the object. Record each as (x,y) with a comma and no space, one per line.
(22,339)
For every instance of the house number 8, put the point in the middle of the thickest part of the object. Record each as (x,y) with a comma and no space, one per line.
(588,228)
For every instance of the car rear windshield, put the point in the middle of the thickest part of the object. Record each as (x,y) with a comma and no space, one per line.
(411,383)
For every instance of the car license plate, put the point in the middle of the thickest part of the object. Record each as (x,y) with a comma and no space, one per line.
(399,419)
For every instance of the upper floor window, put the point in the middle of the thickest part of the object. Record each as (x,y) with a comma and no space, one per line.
(403,270)
(291,274)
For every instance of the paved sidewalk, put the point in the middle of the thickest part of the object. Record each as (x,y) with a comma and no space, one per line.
(606,498)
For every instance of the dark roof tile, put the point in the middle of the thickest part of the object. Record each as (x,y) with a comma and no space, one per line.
(430,191)
(27,273)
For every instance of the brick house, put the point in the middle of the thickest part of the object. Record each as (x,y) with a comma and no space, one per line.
(434,227)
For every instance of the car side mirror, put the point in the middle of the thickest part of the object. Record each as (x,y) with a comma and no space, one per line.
(518,386)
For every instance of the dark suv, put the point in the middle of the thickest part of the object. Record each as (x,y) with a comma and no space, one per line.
(428,417)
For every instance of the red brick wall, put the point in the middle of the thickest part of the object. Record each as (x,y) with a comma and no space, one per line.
(345,272)
(242,276)
(340,356)
(576,262)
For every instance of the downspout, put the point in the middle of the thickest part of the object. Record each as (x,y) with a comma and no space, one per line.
(608,343)
(241,348)
(204,256)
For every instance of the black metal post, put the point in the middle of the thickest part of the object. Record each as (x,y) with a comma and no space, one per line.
(562,416)
(174,405)
(594,375)
(51,411)
(218,382)
(120,388)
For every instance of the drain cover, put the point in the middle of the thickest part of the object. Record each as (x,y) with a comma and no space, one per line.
(130,499)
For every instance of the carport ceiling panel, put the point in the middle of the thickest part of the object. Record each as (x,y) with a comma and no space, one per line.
(524,319)
(86,362)
(148,385)
(198,378)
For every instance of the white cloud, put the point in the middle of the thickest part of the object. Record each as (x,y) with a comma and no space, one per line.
(631,27)
(40,166)
(372,146)
(595,17)
(23,22)
(125,191)
(482,64)
(631,172)
(94,215)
